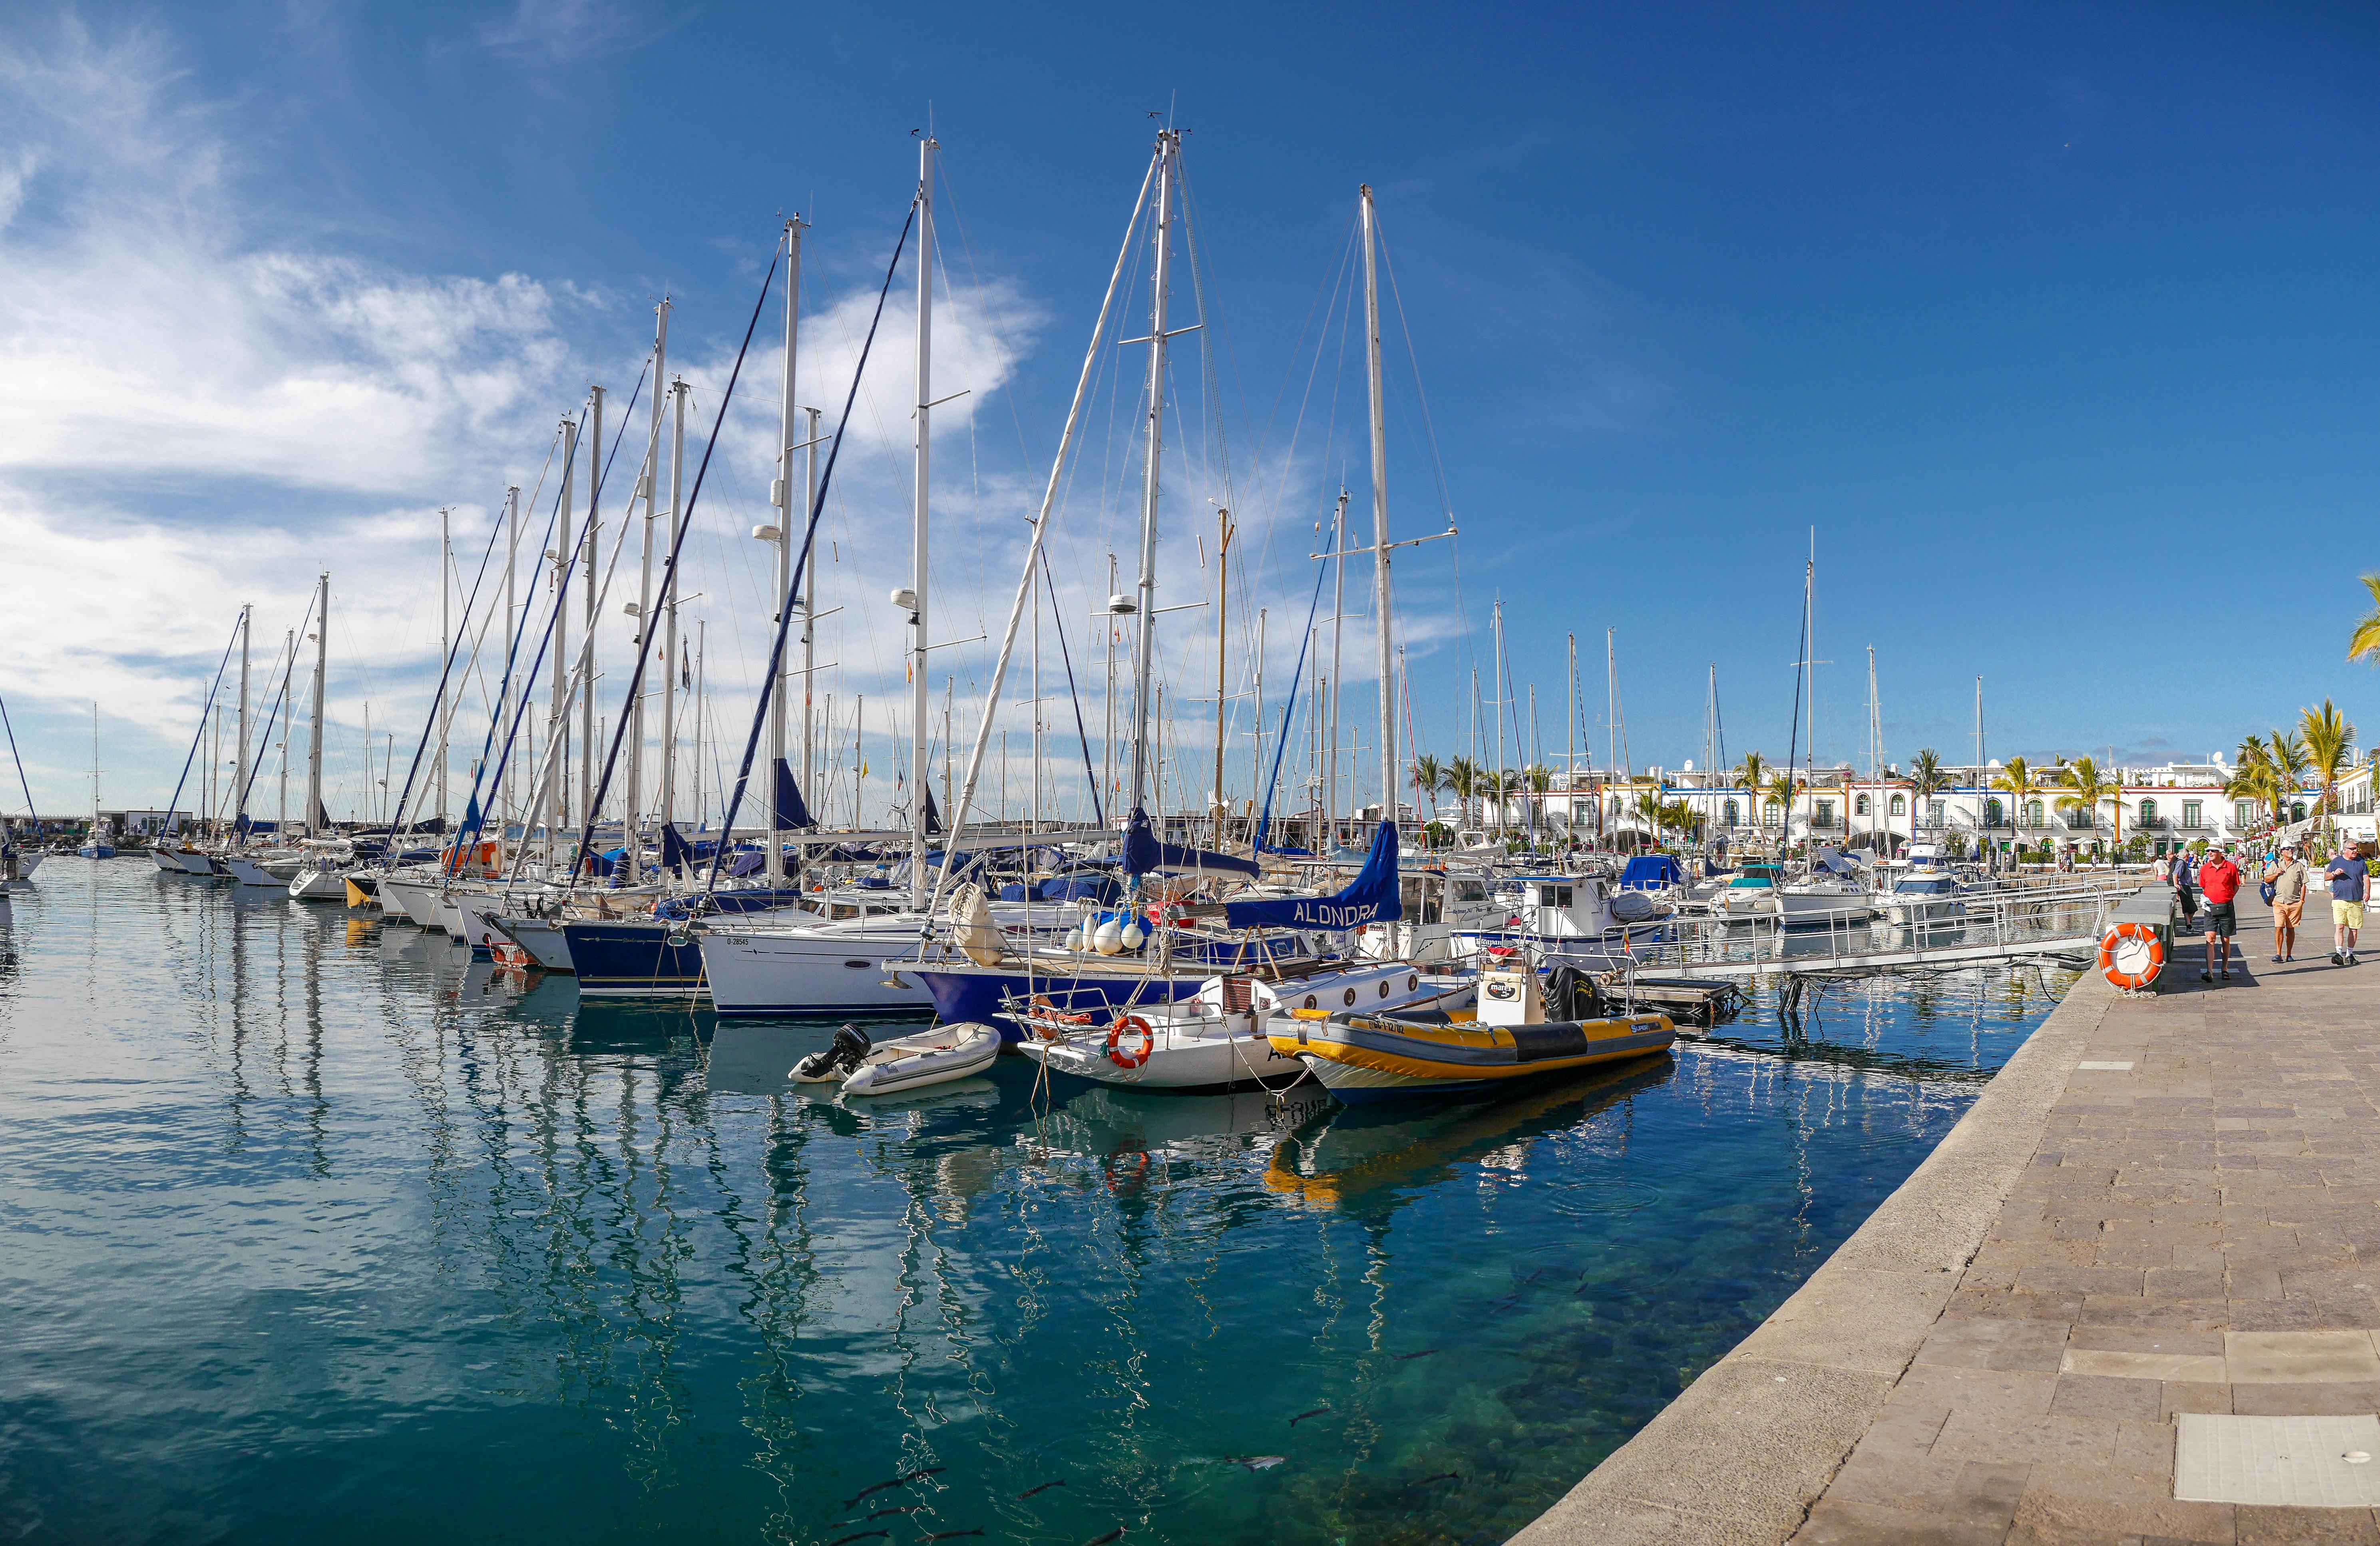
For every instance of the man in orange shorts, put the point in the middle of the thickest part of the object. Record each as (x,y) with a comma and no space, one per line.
(2288,883)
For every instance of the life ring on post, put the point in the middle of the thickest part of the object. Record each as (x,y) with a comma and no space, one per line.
(2131,955)
(1123,1056)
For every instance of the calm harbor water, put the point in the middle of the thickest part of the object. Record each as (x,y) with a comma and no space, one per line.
(318,1232)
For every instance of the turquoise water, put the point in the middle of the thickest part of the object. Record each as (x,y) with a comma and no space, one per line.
(316,1232)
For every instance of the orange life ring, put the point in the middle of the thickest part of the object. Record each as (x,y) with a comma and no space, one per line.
(1122,1057)
(2131,955)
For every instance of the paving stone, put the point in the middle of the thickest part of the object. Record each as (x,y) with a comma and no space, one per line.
(2095,1395)
(2300,1356)
(1978,1342)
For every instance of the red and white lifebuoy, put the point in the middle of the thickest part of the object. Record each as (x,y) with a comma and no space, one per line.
(1127,1058)
(2131,955)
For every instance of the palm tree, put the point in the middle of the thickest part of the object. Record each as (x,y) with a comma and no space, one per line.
(1655,814)
(1428,778)
(1782,787)
(2327,737)
(1681,816)
(1926,779)
(1462,782)
(2363,644)
(2018,780)
(2287,749)
(2090,787)
(1538,778)
(1752,772)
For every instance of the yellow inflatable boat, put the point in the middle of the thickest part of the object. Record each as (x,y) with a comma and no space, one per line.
(1379,1057)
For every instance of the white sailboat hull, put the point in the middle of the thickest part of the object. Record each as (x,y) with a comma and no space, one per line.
(418,902)
(542,937)
(319,886)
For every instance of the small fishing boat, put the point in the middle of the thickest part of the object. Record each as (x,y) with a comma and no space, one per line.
(1361,1057)
(1217,1040)
(905,1062)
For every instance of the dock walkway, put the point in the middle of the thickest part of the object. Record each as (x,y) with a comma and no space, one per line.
(2163,1206)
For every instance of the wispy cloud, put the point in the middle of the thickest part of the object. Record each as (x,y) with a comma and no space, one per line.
(559,31)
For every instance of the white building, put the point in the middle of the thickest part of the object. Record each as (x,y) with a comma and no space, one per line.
(2166,806)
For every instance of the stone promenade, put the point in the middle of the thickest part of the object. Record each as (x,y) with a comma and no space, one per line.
(2167,1209)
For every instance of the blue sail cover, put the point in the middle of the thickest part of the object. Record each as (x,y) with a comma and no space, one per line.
(792,812)
(1371,897)
(1650,873)
(1143,853)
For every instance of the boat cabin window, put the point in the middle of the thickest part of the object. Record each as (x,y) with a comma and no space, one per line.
(1470,890)
(1421,899)
(1554,896)
(844,909)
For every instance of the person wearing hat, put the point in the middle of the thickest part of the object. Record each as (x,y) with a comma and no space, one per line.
(2348,874)
(2288,880)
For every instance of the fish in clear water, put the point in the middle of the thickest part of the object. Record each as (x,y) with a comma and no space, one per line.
(1442,1475)
(953,1535)
(1255,1462)
(1112,1535)
(1043,1488)
(1303,1416)
(841,1539)
(897,1482)
(904,1508)
(1426,1352)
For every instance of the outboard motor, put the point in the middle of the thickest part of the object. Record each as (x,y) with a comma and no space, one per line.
(849,1049)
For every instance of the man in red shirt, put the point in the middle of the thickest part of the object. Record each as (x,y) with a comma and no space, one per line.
(2218,882)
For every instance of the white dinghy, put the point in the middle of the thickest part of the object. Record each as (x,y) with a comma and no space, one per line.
(905,1062)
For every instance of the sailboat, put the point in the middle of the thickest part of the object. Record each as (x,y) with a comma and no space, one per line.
(19,860)
(322,877)
(97,847)
(1185,1004)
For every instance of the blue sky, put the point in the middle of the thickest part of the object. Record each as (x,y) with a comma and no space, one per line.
(2053,321)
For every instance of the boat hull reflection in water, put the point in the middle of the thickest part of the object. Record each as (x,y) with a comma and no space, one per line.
(319,1231)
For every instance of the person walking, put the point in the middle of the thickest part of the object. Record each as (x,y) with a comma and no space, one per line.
(2348,876)
(2288,880)
(2185,871)
(2219,879)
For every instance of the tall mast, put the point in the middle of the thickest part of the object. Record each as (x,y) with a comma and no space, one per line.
(1570,760)
(281,827)
(1379,511)
(918,887)
(240,796)
(788,416)
(1222,600)
(1256,791)
(673,642)
(503,798)
(1338,675)
(648,482)
(1875,738)
(1610,705)
(559,728)
(445,647)
(314,734)
(1169,151)
(594,548)
(809,611)
(1497,667)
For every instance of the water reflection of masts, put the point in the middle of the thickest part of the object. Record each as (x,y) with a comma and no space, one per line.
(777,1258)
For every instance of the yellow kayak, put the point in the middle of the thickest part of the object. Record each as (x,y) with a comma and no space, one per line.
(1378,1058)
